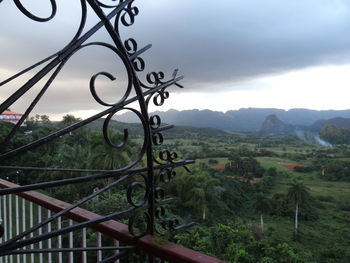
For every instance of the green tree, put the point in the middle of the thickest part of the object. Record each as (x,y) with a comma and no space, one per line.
(45,119)
(69,119)
(298,193)
(262,205)
(104,156)
(197,191)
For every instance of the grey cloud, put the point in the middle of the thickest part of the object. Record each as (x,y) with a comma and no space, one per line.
(235,40)
(214,44)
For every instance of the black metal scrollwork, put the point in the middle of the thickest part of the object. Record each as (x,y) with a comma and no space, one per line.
(133,187)
(34,17)
(128,17)
(144,193)
(164,226)
(139,224)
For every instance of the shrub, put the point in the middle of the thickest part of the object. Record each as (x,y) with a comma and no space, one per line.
(344,206)
(325,198)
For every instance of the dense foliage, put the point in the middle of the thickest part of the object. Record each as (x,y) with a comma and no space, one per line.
(255,209)
(335,135)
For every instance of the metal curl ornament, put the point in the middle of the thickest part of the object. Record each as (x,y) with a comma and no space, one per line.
(126,134)
(157,139)
(155,78)
(160,225)
(34,17)
(130,45)
(132,220)
(82,23)
(155,121)
(160,97)
(172,223)
(167,156)
(110,76)
(93,88)
(165,175)
(128,18)
(159,194)
(158,90)
(131,189)
(131,48)
(168,226)
(160,212)
(138,64)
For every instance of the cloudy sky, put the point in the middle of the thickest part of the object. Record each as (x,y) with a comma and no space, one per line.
(233,53)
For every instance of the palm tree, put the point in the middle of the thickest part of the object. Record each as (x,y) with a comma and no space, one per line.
(197,199)
(197,191)
(104,156)
(298,193)
(263,205)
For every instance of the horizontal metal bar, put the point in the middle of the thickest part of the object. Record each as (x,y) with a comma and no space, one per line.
(166,200)
(114,257)
(184,226)
(139,52)
(78,203)
(53,169)
(151,245)
(28,69)
(56,250)
(4,249)
(83,179)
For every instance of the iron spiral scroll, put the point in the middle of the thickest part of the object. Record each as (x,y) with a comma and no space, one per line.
(160,164)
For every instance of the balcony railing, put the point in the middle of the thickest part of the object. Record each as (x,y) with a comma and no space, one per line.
(22,211)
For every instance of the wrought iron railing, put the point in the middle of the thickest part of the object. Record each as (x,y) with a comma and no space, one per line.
(33,207)
(36,235)
(19,214)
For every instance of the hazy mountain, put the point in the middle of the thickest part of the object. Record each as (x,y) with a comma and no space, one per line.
(245,119)
(194,118)
(273,125)
(136,130)
(337,122)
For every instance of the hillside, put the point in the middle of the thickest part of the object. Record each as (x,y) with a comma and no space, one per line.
(242,120)
(273,125)
(337,122)
(136,130)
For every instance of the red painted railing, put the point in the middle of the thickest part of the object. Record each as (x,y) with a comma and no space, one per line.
(169,251)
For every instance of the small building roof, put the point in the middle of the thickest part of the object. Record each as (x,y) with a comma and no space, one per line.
(292,166)
(220,167)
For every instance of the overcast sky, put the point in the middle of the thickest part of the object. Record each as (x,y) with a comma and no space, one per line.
(233,53)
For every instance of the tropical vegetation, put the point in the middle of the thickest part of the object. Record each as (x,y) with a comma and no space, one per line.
(254,198)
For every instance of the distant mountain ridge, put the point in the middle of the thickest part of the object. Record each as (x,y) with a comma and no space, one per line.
(242,120)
